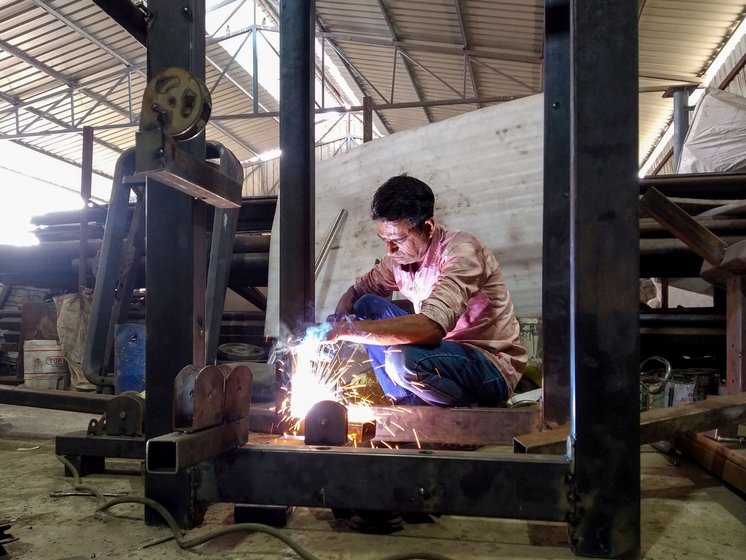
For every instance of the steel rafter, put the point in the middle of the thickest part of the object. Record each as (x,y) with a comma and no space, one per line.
(406,59)
(467,59)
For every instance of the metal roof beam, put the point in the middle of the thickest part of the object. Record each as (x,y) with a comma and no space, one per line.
(467,59)
(435,47)
(133,19)
(44,5)
(406,59)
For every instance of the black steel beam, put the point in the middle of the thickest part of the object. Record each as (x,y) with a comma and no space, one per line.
(129,16)
(84,445)
(454,483)
(555,301)
(176,37)
(57,400)
(707,186)
(297,237)
(604,276)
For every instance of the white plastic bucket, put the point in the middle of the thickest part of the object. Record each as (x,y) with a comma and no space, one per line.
(44,366)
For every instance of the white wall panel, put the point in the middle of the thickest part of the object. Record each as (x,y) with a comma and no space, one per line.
(486,170)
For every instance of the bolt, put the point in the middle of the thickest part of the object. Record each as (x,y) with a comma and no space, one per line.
(324,422)
(555,105)
(186,11)
(122,415)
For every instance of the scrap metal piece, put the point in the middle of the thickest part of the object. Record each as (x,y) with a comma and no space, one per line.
(199,395)
(177,102)
(326,424)
(5,538)
(454,426)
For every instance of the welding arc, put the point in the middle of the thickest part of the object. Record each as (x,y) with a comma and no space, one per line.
(239,527)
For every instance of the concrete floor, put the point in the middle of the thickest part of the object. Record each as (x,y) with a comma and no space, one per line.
(686,513)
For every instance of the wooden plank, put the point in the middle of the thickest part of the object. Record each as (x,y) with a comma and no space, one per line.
(454,426)
(701,240)
(656,424)
(724,463)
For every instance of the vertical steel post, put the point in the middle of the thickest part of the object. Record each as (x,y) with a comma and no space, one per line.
(86,177)
(297,181)
(176,37)
(680,122)
(604,278)
(735,332)
(556,246)
(367,118)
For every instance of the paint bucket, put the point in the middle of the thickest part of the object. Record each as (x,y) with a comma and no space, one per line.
(129,357)
(44,366)
(687,386)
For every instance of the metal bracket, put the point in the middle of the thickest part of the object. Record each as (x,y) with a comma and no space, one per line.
(199,395)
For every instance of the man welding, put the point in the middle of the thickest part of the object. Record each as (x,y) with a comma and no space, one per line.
(460,347)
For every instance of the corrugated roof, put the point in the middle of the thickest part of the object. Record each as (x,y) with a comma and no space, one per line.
(65,64)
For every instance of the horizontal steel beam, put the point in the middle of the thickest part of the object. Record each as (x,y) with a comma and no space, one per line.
(58,400)
(454,483)
(162,160)
(82,444)
(460,426)
(709,185)
(171,453)
(656,424)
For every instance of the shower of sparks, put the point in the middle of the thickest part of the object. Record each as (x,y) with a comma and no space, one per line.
(318,373)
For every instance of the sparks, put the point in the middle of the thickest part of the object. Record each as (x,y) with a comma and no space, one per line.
(318,375)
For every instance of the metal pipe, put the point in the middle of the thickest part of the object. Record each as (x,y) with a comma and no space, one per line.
(680,122)
(326,247)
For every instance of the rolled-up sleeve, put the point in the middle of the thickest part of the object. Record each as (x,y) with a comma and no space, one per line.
(462,275)
(379,280)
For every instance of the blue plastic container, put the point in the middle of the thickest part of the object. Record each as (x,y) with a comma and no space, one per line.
(129,357)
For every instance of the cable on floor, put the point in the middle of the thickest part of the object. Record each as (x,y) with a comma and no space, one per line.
(185,543)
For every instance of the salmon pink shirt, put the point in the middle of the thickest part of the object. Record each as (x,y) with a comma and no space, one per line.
(460,286)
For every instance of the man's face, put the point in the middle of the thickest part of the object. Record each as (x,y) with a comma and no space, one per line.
(405,243)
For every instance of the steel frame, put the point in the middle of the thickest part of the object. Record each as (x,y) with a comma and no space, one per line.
(591,85)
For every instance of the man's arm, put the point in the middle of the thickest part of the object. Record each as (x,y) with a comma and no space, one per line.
(408,329)
(348,299)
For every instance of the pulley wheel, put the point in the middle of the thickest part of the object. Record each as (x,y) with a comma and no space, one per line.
(178,102)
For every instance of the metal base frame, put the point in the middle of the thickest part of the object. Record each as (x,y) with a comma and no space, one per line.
(596,487)
(88,453)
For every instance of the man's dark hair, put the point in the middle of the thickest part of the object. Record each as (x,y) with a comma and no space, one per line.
(403,198)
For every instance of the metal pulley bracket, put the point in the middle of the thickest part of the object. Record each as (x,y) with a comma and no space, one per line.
(124,416)
(176,106)
(176,102)
(199,396)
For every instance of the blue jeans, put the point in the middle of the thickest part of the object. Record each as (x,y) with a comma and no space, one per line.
(444,374)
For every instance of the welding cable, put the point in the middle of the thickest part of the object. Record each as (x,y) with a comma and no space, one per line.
(184,543)
(77,486)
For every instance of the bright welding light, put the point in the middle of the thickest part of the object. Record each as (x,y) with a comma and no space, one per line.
(309,386)
(318,374)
